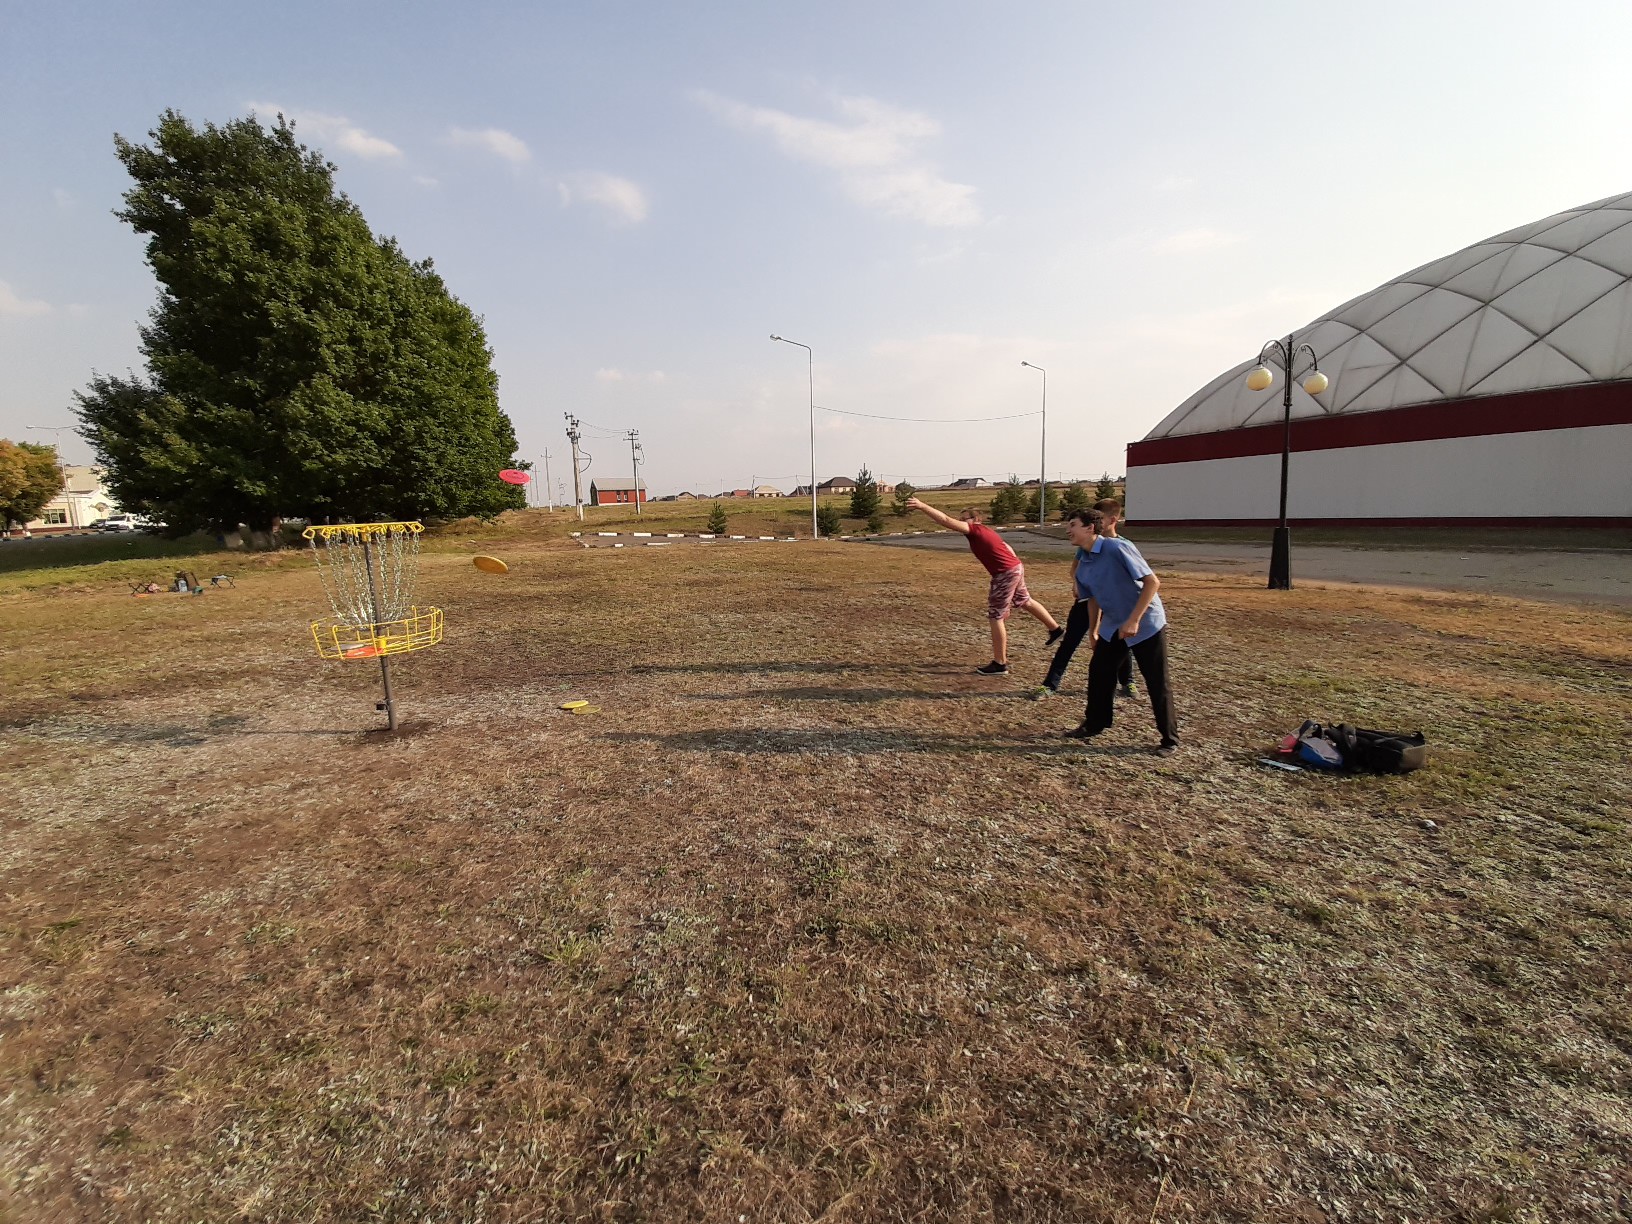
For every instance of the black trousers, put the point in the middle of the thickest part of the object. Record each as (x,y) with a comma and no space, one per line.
(1108,659)
(1076,628)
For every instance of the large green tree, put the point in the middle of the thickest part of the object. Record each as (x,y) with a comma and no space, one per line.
(297,365)
(30,476)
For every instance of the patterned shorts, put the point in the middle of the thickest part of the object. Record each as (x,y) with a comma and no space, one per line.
(1008,591)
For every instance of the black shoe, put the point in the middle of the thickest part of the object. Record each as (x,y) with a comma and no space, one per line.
(1080,732)
(994,668)
(1168,748)
(1055,634)
(1129,689)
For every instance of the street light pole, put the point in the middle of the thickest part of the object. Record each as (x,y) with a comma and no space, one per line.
(810,369)
(1042,475)
(56,431)
(1259,379)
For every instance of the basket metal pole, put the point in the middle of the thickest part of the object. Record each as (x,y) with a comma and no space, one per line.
(376,600)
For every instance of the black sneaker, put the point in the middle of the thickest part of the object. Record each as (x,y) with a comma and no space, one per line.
(1128,690)
(1080,732)
(1168,748)
(994,668)
(1055,634)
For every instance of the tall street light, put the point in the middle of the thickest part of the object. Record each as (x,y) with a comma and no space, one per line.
(1259,379)
(56,432)
(810,369)
(1042,475)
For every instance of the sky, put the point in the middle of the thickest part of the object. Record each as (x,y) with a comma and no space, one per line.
(635,196)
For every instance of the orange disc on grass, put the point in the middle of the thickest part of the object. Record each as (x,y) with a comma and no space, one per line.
(490,565)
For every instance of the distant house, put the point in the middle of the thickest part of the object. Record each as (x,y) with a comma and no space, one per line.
(615,492)
(84,500)
(685,497)
(839,484)
(970,482)
(767,491)
(739,493)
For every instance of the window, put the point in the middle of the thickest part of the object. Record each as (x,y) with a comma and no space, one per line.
(54,518)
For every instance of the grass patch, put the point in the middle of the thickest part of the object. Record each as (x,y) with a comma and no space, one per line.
(809,920)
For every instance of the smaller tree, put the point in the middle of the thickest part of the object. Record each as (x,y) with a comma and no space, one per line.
(864,497)
(1074,498)
(716,519)
(902,492)
(1051,498)
(875,522)
(1105,488)
(827,519)
(30,476)
(1010,502)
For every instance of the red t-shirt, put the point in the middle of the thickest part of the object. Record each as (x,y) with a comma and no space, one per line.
(990,550)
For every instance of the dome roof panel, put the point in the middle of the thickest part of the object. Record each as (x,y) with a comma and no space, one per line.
(1442,270)
(1574,233)
(1379,303)
(1540,365)
(1613,251)
(1556,293)
(1546,304)
(1422,320)
(1497,339)
(1599,338)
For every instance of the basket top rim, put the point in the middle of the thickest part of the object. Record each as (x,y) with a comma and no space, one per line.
(328,531)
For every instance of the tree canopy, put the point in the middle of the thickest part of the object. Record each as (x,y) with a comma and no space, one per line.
(30,476)
(297,365)
(864,497)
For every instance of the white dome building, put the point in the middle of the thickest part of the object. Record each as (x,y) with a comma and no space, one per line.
(1496,381)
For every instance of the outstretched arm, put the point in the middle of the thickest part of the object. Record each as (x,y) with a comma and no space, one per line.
(940,516)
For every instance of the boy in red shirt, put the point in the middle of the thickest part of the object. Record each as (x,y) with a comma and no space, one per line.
(1008,589)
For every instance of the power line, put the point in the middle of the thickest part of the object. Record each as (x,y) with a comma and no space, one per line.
(929,420)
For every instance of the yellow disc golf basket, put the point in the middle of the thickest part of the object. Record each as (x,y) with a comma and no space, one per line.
(368,571)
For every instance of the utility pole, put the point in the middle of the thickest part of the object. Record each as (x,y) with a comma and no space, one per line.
(634,457)
(577,488)
(549,489)
(56,432)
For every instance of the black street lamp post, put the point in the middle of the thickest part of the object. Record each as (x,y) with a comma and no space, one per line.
(1259,379)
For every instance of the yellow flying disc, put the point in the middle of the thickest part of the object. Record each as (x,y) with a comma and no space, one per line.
(586,709)
(573,705)
(490,565)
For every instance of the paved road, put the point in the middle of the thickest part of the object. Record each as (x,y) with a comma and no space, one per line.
(1589,575)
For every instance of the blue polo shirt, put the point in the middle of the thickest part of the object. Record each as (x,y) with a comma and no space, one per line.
(1112,574)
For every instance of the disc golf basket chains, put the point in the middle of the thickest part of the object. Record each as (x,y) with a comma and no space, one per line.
(368,571)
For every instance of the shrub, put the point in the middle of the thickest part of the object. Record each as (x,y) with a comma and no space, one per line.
(827,520)
(1010,502)
(716,519)
(864,497)
(902,492)
(875,522)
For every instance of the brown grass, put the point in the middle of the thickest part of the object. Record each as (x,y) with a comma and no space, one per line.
(809,922)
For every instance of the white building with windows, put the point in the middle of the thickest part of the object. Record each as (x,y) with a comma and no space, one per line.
(1494,382)
(84,500)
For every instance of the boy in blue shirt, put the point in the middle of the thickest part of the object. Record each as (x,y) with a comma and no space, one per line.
(1125,614)
(1076,624)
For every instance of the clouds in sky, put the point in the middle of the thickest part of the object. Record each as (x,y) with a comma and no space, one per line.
(611,374)
(15,306)
(335,131)
(620,197)
(496,141)
(875,148)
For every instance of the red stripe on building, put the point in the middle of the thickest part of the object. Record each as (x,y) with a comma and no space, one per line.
(1580,407)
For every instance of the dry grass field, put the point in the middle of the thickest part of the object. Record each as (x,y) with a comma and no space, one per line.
(809,922)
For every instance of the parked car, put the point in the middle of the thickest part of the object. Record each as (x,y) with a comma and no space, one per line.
(130,522)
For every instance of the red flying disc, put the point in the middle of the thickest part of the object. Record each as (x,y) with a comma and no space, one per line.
(515,476)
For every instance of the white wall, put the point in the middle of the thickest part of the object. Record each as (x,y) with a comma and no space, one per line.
(1558,473)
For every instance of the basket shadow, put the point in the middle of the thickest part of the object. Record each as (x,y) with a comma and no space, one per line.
(832,741)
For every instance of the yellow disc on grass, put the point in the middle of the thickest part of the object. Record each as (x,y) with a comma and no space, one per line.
(490,565)
(573,705)
(586,708)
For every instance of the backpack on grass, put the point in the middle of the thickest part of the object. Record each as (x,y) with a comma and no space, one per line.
(1356,749)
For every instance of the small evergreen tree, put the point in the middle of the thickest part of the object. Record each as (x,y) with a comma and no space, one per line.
(864,497)
(1105,488)
(1010,502)
(875,522)
(1075,497)
(1051,499)
(902,492)
(827,519)
(716,519)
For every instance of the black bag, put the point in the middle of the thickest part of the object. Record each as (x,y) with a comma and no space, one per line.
(1378,751)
